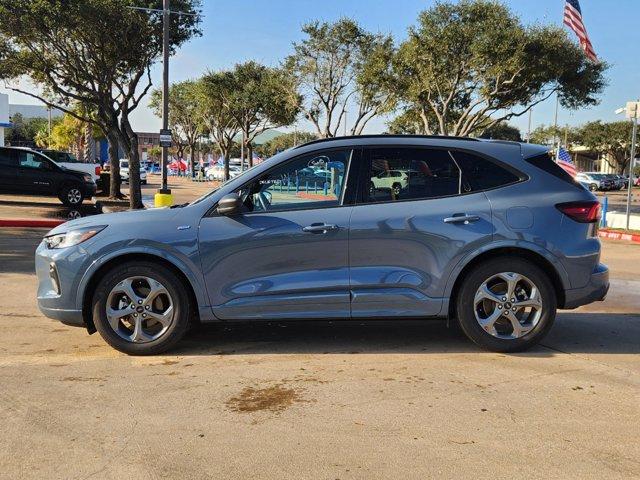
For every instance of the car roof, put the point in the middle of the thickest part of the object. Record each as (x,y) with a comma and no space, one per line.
(527,149)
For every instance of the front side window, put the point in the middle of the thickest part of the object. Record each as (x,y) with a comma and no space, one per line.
(315,180)
(410,174)
(31,160)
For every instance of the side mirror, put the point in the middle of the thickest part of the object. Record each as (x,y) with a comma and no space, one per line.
(229,204)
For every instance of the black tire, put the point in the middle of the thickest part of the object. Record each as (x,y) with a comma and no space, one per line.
(143,182)
(396,188)
(182,308)
(593,187)
(483,271)
(71,195)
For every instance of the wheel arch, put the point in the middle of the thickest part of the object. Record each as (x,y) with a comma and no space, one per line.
(557,279)
(100,271)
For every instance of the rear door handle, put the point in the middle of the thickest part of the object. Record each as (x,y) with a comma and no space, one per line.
(461,218)
(319,228)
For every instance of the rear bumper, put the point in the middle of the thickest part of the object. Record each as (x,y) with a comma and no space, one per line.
(595,290)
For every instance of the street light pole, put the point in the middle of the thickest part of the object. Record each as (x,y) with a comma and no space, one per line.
(631,162)
(164,190)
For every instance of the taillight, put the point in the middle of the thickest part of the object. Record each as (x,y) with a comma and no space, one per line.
(583,212)
(98,171)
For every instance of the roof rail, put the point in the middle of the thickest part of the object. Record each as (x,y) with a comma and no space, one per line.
(384,135)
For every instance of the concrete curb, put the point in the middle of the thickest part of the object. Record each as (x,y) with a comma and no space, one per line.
(615,235)
(30,222)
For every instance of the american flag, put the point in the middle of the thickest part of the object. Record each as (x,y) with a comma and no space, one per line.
(564,161)
(573,20)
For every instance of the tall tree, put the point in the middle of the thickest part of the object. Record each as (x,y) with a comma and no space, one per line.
(472,64)
(339,66)
(261,98)
(184,120)
(611,141)
(215,110)
(95,52)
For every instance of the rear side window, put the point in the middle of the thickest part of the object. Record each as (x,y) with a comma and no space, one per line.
(7,158)
(481,174)
(395,174)
(546,163)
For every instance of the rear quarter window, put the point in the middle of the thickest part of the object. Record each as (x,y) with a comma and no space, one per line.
(481,174)
(546,163)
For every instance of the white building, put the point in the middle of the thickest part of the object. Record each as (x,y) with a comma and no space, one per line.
(4,116)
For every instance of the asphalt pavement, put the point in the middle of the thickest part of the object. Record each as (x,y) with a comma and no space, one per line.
(321,400)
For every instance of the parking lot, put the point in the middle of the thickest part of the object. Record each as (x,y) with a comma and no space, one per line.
(320,400)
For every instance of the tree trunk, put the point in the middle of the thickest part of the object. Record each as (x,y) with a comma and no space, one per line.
(192,148)
(130,139)
(88,143)
(250,153)
(114,177)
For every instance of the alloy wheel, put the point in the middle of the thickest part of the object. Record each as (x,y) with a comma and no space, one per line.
(139,309)
(508,305)
(74,196)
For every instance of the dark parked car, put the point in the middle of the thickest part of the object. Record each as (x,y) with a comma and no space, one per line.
(493,234)
(25,171)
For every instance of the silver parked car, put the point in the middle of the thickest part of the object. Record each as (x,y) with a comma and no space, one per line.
(493,234)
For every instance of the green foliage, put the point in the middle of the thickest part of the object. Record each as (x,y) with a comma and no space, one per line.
(185,120)
(502,131)
(95,52)
(24,130)
(285,141)
(338,65)
(471,64)
(610,140)
(260,98)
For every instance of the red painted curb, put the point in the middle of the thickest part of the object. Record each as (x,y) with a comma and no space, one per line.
(613,235)
(30,222)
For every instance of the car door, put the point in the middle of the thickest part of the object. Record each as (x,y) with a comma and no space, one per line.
(36,174)
(285,255)
(404,242)
(8,170)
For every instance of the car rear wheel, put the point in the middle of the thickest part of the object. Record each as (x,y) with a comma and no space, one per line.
(506,304)
(141,308)
(593,187)
(71,195)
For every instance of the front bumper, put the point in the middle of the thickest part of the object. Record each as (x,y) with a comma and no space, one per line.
(595,290)
(58,283)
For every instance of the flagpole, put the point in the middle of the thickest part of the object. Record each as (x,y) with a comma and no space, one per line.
(555,128)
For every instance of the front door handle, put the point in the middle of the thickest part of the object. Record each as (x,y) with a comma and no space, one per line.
(319,228)
(461,218)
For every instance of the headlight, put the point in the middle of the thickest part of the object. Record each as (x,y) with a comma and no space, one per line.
(88,178)
(72,237)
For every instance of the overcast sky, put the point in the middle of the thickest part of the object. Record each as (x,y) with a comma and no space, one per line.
(263,30)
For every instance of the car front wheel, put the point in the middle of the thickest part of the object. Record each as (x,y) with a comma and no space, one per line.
(141,308)
(506,304)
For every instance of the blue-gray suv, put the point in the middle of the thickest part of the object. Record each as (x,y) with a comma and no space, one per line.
(493,234)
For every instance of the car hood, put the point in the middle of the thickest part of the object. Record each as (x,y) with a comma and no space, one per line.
(119,219)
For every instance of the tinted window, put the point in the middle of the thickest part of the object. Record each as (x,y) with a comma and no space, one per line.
(7,158)
(409,174)
(481,174)
(31,160)
(309,181)
(545,162)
